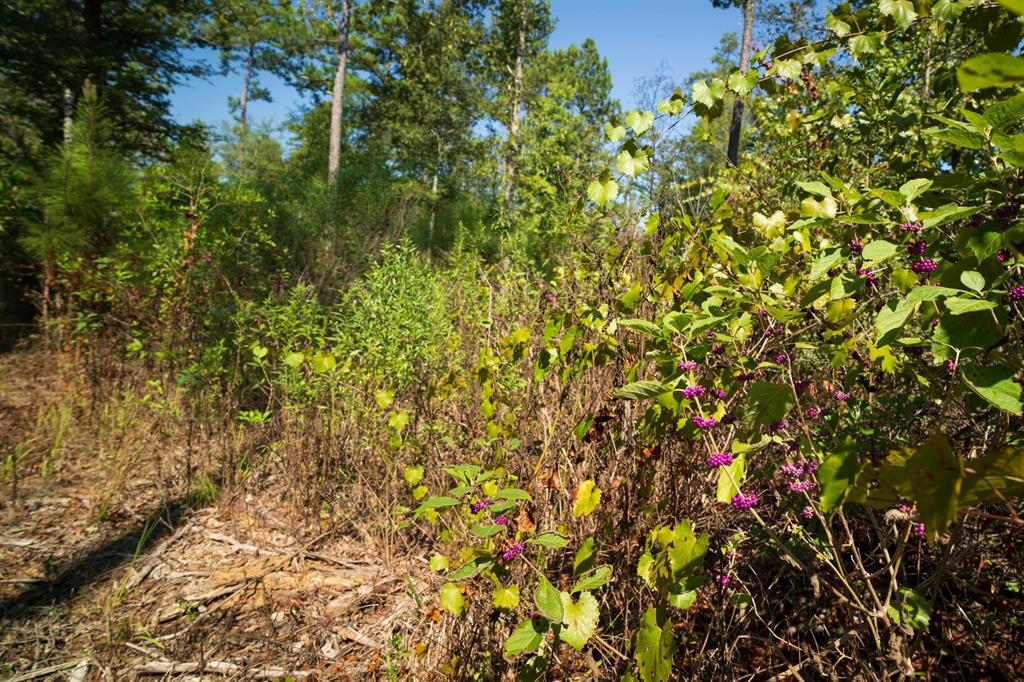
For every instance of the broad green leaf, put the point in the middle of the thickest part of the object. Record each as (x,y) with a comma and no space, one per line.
(770,402)
(485,531)
(788,68)
(836,25)
(945,214)
(579,619)
(826,208)
(865,44)
(512,494)
(655,647)
(878,249)
(585,498)
(592,581)
(912,189)
(914,609)
(1015,6)
(548,600)
(892,317)
(584,557)
(994,69)
(452,600)
(438,503)
(996,477)
(902,11)
(506,597)
(438,562)
(825,262)
(527,637)
(969,333)
(741,83)
(602,192)
(708,95)
(936,477)
(728,487)
(972,280)
(294,359)
(631,163)
(639,390)
(815,187)
(413,475)
(1007,112)
(962,306)
(640,121)
(996,385)
(645,326)
(471,568)
(549,540)
(836,473)
(614,133)
(927,293)
(959,138)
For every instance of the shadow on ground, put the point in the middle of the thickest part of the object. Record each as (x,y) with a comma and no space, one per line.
(90,567)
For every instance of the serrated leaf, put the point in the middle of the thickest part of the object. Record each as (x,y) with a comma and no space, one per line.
(788,68)
(639,390)
(645,326)
(550,540)
(452,600)
(437,503)
(506,597)
(706,94)
(294,359)
(996,385)
(527,637)
(614,133)
(655,647)
(579,619)
(548,600)
(602,192)
(902,11)
(962,306)
(640,121)
(728,487)
(836,25)
(592,581)
(973,280)
(836,473)
(485,531)
(770,402)
(471,568)
(877,250)
(994,69)
(632,163)
(585,498)
(742,84)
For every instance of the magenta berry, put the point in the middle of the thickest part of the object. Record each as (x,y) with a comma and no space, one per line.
(514,550)
(1003,255)
(687,365)
(856,246)
(808,512)
(914,228)
(720,459)
(704,423)
(1017,292)
(722,580)
(481,505)
(813,412)
(744,501)
(917,248)
(693,391)
(841,396)
(919,530)
(924,266)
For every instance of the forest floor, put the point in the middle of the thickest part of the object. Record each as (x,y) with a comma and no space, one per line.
(108,571)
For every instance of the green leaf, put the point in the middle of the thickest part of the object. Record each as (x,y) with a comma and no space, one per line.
(438,562)
(770,402)
(585,498)
(550,540)
(913,608)
(548,600)
(526,637)
(294,359)
(485,531)
(632,163)
(962,306)
(972,280)
(584,557)
(512,494)
(892,317)
(452,600)
(1015,6)
(708,95)
(472,567)
(996,385)
(970,334)
(728,487)
(835,475)
(413,475)
(836,25)
(437,503)
(640,121)
(994,477)
(959,138)
(788,68)
(902,11)
(936,476)
(655,647)
(865,44)
(614,133)
(742,84)
(579,619)
(994,69)
(825,262)
(506,597)
(912,189)
(645,326)
(815,187)
(602,192)
(593,581)
(878,249)
(1007,112)
(639,390)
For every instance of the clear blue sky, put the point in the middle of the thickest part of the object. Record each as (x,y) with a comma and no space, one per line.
(635,36)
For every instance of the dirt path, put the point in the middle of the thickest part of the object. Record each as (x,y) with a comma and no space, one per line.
(109,572)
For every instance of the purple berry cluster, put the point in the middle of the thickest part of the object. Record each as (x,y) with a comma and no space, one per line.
(917,248)
(808,512)
(813,412)
(870,276)
(720,393)
(924,266)
(841,396)
(693,391)
(1003,255)
(704,423)
(1017,292)
(801,475)
(722,580)
(501,521)
(481,505)
(919,530)
(720,459)
(856,246)
(780,425)
(514,550)
(745,501)
(914,228)
(687,365)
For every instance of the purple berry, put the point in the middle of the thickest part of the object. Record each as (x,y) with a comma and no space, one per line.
(917,248)
(924,266)
(720,459)
(1017,292)
(747,501)
(687,365)
(693,391)
(704,423)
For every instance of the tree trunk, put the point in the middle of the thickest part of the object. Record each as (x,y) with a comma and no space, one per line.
(69,113)
(736,125)
(243,104)
(512,153)
(337,97)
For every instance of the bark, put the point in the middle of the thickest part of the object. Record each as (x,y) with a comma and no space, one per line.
(337,97)
(243,103)
(512,154)
(736,126)
(69,114)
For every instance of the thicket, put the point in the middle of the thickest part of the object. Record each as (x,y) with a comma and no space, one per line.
(647,414)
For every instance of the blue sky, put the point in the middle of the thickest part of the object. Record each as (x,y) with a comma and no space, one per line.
(636,36)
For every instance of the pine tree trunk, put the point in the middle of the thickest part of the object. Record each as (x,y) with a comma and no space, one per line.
(243,104)
(512,153)
(736,126)
(69,114)
(337,98)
